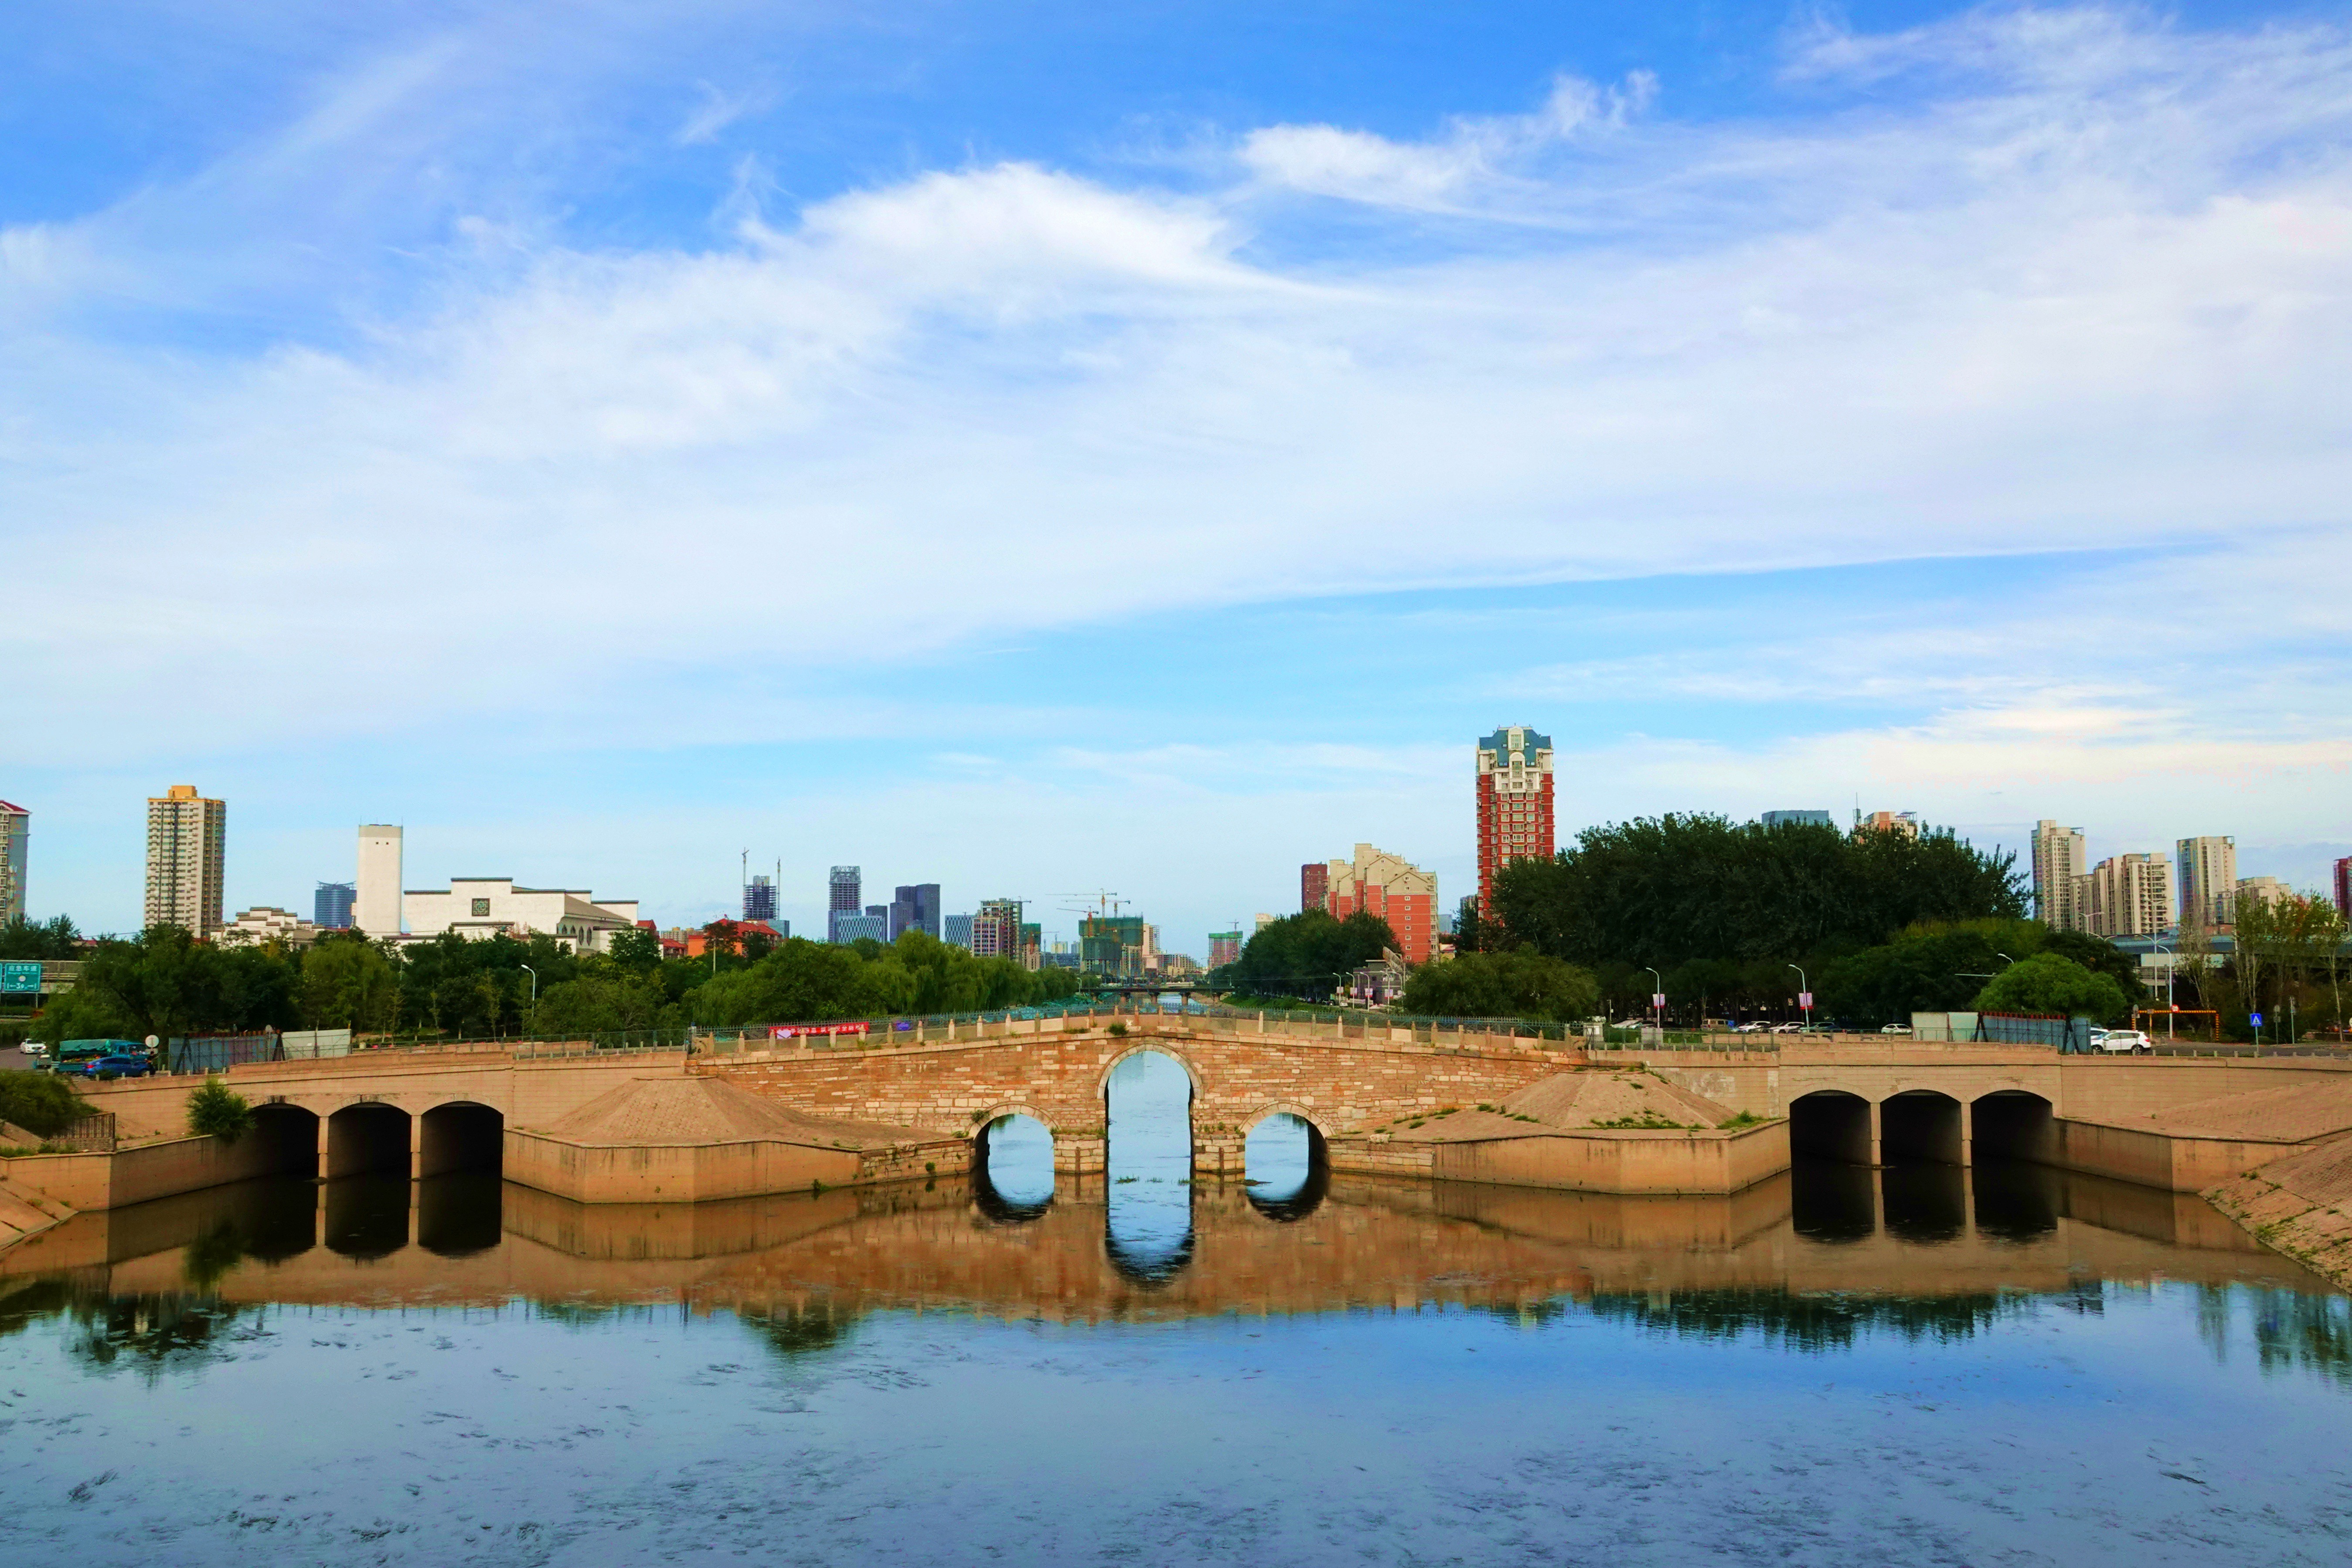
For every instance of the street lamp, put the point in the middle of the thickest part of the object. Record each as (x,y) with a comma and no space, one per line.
(1804,992)
(1657,1001)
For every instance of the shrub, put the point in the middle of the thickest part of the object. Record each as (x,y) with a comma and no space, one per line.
(216,1111)
(1119,1031)
(41,1103)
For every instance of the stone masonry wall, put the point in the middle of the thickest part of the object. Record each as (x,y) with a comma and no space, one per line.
(1059,1079)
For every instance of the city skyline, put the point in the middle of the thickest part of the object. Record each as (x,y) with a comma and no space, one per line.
(1474,386)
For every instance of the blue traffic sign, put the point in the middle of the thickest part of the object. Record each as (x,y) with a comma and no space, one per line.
(21,976)
(2255,1019)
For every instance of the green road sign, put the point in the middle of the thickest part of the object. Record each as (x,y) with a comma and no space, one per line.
(21,977)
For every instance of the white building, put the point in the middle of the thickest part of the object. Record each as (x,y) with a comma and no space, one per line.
(2127,895)
(493,906)
(187,837)
(2268,891)
(375,902)
(263,923)
(2207,880)
(2060,861)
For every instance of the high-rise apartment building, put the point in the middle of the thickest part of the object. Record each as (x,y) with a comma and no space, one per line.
(1224,947)
(1515,803)
(16,839)
(2344,887)
(331,906)
(2206,874)
(187,837)
(914,907)
(2124,895)
(375,906)
(956,930)
(1393,889)
(1798,819)
(2061,858)
(996,928)
(844,891)
(1314,886)
(760,899)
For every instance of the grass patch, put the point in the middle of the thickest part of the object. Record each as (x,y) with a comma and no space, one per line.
(1647,1121)
(1741,1120)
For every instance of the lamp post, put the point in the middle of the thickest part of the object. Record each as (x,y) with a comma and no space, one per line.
(1657,1001)
(534,991)
(1804,994)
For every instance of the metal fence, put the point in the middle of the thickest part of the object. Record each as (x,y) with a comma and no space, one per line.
(215,1053)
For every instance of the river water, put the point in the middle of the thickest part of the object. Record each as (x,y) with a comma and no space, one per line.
(1921,1365)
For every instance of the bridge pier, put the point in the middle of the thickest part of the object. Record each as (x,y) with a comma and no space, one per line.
(1081,1153)
(1219,1154)
(1877,1140)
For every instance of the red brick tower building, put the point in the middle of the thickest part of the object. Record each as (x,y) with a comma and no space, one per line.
(1515,814)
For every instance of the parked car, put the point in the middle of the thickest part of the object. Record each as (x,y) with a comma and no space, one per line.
(2122,1041)
(35,1049)
(1787,1029)
(1895,1028)
(121,1067)
(1753,1026)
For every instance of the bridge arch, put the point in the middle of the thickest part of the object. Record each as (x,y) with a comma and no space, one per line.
(368,1137)
(1158,1046)
(460,1135)
(1923,1125)
(290,1134)
(983,1121)
(1286,1179)
(2014,1124)
(1832,1124)
(1024,1191)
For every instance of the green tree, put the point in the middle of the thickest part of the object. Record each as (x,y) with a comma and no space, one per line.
(41,1104)
(1307,955)
(2052,983)
(1665,891)
(1522,985)
(216,1111)
(24,939)
(347,982)
(165,983)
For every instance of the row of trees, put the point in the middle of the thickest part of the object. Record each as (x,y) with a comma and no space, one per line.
(1673,889)
(1307,955)
(165,982)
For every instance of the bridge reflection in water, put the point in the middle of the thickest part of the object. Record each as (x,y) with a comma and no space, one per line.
(1093,1254)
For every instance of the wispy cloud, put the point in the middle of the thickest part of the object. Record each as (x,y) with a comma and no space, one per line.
(717,110)
(2087,286)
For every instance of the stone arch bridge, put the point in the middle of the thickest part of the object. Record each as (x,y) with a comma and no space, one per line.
(430,1111)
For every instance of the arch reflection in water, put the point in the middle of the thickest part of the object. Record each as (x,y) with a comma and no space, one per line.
(1013,1179)
(1148,1226)
(1287,1166)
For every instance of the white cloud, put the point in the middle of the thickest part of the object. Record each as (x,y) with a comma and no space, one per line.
(1437,174)
(2057,306)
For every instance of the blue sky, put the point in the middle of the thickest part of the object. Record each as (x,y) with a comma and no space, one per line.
(1046,449)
